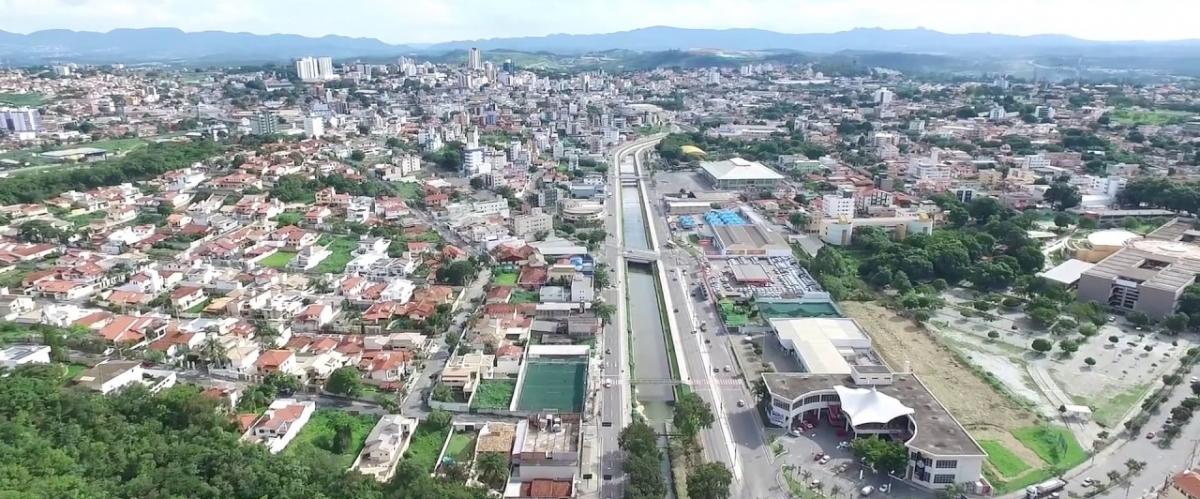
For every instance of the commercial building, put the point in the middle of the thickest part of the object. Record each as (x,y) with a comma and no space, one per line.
(1148,275)
(314,127)
(873,401)
(748,240)
(840,231)
(739,174)
(824,344)
(474,59)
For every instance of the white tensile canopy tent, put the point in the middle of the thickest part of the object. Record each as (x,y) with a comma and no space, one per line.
(865,405)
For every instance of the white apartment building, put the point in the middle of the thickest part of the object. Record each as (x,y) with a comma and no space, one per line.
(314,127)
(19,120)
(839,204)
(527,225)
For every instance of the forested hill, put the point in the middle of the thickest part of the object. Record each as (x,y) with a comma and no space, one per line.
(63,442)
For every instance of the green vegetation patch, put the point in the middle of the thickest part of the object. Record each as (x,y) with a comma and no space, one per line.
(1054,444)
(29,99)
(322,432)
(278,260)
(340,248)
(461,448)
(1002,459)
(1138,116)
(426,444)
(1108,412)
(504,279)
(494,394)
(522,296)
(409,190)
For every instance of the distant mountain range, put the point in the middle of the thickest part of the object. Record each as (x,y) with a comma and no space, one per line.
(173,45)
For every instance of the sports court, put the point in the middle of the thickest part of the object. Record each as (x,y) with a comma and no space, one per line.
(554,386)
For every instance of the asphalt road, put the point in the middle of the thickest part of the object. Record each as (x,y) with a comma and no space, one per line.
(706,352)
(615,402)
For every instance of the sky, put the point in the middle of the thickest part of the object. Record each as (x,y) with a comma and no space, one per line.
(430,21)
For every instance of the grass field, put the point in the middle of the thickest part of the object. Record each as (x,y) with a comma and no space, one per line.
(199,307)
(461,447)
(1138,116)
(278,259)
(1108,412)
(494,394)
(409,190)
(115,147)
(336,262)
(1005,462)
(30,99)
(504,279)
(321,432)
(522,296)
(1054,444)
(426,444)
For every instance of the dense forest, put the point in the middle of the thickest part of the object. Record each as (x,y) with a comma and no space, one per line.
(718,147)
(142,164)
(64,442)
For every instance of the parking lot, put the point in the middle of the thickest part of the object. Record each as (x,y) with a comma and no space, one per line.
(841,475)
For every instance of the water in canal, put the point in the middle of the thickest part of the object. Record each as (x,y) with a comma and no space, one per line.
(649,345)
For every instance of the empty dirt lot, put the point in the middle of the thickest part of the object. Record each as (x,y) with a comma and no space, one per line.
(973,401)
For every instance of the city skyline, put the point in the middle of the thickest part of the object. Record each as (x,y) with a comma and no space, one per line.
(431,21)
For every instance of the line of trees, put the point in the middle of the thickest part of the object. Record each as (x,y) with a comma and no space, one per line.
(138,165)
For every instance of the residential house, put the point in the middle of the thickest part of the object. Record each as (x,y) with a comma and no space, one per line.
(187,297)
(280,424)
(386,443)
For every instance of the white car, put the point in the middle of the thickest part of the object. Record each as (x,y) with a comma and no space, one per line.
(866,491)
(608,383)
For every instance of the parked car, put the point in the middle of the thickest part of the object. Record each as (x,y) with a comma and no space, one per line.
(1150,436)
(741,403)
(866,491)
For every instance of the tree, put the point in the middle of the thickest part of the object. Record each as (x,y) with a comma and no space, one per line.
(642,461)
(982,209)
(1041,345)
(692,414)
(476,183)
(443,393)
(1043,316)
(213,351)
(603,311)
(799,220)
(357,155)
(1062,219)
(1176,322)
(884,455)
(1138,318)
(439,419)
(1062,196)
(709,481)
(457,273)
(41,231)
(1068,346)
(345,381)
(282,383)
(493,469)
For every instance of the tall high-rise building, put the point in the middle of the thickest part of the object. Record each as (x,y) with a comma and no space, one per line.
(314,68)
(265,123)
(21,119)
(306,69)
(474,59)
(325,68)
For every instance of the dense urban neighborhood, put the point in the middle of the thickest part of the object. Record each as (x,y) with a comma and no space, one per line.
(468,277)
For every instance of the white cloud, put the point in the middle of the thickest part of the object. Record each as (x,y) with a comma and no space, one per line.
(441,20)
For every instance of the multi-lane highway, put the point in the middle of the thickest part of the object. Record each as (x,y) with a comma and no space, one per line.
(615,401)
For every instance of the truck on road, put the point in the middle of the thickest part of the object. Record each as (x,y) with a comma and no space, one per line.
(1049,487)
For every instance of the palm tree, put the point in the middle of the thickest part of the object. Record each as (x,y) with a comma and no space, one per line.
(265,332)
(493,469)
(212,351)
(603,310)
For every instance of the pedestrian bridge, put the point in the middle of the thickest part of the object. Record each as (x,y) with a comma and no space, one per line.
(641,256)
